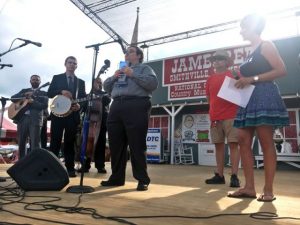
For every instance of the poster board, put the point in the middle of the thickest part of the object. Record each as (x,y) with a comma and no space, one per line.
(153,141)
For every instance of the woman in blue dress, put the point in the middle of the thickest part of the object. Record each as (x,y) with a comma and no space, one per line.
(265,110)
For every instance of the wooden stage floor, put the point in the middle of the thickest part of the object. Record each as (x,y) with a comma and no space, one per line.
(175,190)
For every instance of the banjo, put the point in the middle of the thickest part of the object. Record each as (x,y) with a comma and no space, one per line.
(61,105)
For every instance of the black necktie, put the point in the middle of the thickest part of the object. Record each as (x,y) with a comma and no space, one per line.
(71,84)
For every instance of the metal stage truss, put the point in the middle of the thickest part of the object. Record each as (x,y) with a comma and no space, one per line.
(94,10)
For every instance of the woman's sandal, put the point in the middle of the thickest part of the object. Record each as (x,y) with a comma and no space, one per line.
(266,198)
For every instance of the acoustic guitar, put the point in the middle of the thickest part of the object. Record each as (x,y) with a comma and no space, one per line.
(17,109)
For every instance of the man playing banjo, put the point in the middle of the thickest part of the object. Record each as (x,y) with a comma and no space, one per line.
(67,85)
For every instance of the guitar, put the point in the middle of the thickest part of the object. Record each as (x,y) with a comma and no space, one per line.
(17,109)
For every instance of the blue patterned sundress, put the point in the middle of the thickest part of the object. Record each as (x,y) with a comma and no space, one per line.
(265,106)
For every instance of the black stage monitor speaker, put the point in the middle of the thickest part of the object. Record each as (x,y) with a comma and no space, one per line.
(40,170)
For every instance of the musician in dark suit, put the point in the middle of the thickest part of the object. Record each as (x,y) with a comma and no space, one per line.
(68,85)
(30,119)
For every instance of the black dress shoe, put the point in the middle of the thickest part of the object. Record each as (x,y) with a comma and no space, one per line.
(72,173)
(142,187)
(102,170)
(109,183)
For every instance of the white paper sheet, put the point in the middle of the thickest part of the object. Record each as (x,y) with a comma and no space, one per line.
(235,95)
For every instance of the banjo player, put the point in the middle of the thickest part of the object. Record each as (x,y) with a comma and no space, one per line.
(72,87)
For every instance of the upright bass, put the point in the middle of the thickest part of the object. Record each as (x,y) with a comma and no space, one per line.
(92,121)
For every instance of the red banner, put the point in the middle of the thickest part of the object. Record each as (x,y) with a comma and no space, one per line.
(186,76)
(196,67)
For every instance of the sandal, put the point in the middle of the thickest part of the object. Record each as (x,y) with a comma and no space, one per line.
(266,198)
(239,194)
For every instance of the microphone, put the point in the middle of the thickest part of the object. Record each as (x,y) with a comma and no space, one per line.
(31,42)
(4,65)
(104,67)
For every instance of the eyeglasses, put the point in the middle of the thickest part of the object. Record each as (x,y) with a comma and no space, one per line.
(74,63)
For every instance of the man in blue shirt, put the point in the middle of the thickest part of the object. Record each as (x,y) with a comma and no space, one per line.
(131,88)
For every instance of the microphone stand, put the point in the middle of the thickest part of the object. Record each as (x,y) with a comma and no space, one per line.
(3,103)
(3,100)
(4,65)
(82,188)
(11,49)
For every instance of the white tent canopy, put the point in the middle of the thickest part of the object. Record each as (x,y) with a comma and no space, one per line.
(177,20)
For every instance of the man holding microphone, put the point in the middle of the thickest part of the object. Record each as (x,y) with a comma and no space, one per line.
(131,88)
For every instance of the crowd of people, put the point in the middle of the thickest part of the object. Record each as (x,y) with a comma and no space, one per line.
(126,121)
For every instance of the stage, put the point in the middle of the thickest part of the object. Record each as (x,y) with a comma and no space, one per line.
(175,190)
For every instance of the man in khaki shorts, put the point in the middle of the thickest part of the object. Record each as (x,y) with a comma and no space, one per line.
(222,114)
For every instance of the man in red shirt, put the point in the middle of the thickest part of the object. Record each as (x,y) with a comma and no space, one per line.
(222,114)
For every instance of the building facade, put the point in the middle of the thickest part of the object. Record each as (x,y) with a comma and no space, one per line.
(180,107)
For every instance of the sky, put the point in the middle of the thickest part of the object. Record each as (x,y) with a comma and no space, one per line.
(64,30)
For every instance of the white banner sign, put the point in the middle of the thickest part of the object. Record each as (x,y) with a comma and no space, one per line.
(153,145)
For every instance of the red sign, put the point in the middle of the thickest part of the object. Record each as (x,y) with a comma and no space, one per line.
(196,67)
(186,76)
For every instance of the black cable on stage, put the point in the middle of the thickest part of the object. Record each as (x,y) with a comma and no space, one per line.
(39,219)
(271,216)
(16,195)
(7,223)
(256,215)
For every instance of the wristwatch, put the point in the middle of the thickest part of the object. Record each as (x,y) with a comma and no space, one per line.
(256,78)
